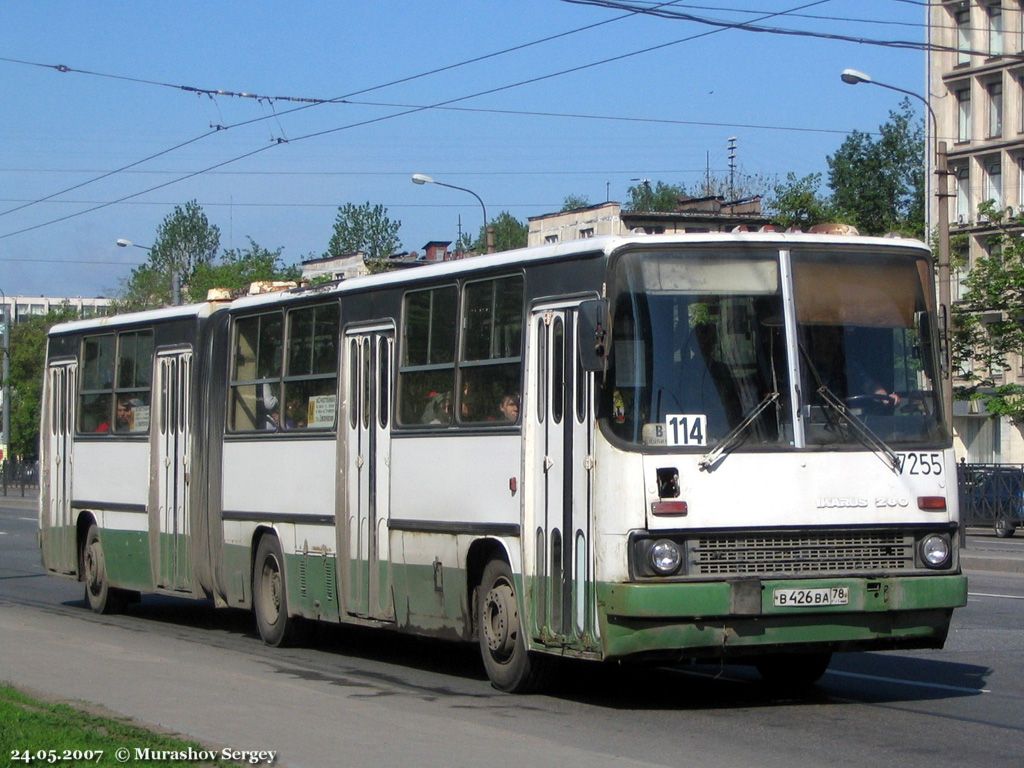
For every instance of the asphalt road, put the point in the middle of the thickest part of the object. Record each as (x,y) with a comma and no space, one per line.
(361,698)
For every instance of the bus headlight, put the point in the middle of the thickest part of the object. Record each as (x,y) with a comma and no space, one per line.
(935,550)
(665,557)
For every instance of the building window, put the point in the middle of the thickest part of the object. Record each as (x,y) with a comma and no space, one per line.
(962,261)
(963,36)
(994,181)
(586,232)
(963,101)
(995,30)
(550,239)
(961,176)
(995,110)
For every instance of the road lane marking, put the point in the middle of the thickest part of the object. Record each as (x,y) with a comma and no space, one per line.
(901,681)
(986,594)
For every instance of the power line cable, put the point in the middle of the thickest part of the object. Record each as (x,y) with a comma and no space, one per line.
(311,102)
(750,26)
(411,111)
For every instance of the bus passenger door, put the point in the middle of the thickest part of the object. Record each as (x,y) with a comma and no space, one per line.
(58,525)
(368,355)
(171,431)
(559,421)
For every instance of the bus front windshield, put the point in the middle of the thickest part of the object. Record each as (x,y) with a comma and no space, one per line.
(864,337)
(699,350)
(698,345)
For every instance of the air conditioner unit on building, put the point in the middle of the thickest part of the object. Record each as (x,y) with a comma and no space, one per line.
(961,220)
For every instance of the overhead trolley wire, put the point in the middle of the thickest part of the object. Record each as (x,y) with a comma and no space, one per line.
(406,112)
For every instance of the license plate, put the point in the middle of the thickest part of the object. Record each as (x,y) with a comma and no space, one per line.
(811,598)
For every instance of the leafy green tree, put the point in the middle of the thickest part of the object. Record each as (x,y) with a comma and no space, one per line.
(798,203)
(661,197)
(366,228)
(878,184)
(989,320)
(184,241)
(572,202)
(509,233)
(28,359)
(238,267)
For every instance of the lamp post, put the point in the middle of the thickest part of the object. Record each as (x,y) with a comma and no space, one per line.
(422,178)
(175,277)
(854,77)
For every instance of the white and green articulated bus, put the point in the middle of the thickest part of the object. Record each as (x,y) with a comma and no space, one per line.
(725,446)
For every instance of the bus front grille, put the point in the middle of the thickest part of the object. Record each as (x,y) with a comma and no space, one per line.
(805,553)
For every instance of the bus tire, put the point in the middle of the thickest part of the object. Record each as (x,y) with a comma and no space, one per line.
(793,671)
(510,667)
(270,594)
(100,596)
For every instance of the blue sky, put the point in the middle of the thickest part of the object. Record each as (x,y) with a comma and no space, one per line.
(780,96)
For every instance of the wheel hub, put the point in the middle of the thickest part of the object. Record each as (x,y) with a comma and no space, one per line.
(501,621)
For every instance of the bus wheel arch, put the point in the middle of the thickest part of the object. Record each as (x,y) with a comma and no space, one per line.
(269,591)
(501,632)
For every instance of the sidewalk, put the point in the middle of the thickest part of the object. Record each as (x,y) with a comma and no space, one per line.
(986,552)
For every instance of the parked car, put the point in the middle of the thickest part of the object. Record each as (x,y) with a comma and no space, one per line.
(992,494)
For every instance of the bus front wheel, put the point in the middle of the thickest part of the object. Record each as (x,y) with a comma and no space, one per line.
(509,665)
(101,597)
(269,594)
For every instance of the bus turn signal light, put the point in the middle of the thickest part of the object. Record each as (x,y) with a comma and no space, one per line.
(931,503)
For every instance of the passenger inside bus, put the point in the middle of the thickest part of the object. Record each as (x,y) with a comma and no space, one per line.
(509,408)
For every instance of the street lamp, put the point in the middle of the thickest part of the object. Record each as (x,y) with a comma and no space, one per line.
(175,278)
(422,178)
(854,77)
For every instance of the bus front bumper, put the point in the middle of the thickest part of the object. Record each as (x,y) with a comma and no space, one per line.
(743,616)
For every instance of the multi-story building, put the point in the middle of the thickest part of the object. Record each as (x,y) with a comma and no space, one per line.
(693,214)
(976,92)
(17,309)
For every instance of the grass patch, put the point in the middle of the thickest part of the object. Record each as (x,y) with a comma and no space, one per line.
(60,734)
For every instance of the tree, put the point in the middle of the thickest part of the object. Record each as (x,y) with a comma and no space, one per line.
(878,184)
(238,267)
(509,233)
(28,359)
(572,202)
(366,228)
(662,197)
(797,202)
(184,241)
(989,320)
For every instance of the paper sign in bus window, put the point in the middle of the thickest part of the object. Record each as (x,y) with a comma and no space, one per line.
(686,429)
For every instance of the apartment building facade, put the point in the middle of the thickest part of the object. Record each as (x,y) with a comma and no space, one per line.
(976,93)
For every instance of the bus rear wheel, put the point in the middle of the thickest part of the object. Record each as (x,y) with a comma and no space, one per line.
(101,597)
(270,594)
(510,667)
(793,671)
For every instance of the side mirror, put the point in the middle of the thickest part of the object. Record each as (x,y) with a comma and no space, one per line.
(592,334)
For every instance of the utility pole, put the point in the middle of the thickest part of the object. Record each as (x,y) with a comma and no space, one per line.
(732,168)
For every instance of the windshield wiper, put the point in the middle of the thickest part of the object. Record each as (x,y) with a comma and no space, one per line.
(862,430)
(728,442)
